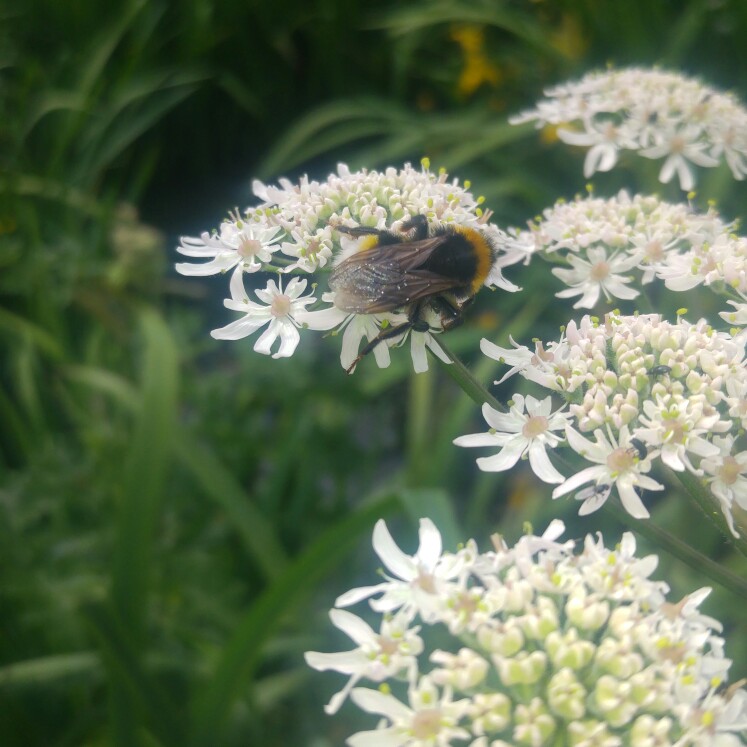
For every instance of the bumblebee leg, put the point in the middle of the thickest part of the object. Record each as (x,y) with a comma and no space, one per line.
(452,311)
(385,334)
(418,224)
(357,231)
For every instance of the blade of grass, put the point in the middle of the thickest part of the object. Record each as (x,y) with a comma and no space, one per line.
(16,438)
(411,18)
(17,326)
(142,487)
(121,656)
(257,533)
(145,470)
(111,138)
(337,123)
(49,669)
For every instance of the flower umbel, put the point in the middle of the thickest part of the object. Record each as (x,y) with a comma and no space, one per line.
(648,390)
(607,242)
(568,649)
(656,113)
(303,228)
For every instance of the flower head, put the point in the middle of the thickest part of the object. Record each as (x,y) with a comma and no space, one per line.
(377,657)
(656,113)
(616,464)
(648,390)
(417,579)
(564,648)
(601,240)
(239,244)
(302,229)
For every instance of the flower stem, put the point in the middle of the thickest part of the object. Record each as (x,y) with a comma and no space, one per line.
(679,549)
(468,383)
(704,501)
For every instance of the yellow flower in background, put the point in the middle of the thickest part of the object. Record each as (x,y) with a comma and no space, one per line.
(478,69)
(568,37)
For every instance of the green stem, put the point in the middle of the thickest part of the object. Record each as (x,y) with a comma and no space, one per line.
(468,383)
(707,506)
(679,549)
(418,428)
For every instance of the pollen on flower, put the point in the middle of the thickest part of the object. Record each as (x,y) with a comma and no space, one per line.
(535,426)
(426,724)
(599,271)
(281,306)
(248,248)
(620,460)
(730,470)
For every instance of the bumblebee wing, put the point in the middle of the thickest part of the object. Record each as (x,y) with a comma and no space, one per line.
(385,278)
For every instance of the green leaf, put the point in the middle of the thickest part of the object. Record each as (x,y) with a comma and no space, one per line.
(257,533)
(48,670)
(135,690)
(434,504)
(259,537)
(145,471)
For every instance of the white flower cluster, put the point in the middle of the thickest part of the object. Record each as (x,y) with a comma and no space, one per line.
(603,239)
(564,649)
(294,230)
(655,113)
(647,390)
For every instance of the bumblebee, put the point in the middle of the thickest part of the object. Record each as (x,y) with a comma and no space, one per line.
(432,273)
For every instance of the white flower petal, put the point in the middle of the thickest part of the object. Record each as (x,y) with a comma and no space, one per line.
(238,329)
(503,460)
(373,701)
(352,625)
(541,464)
(430,548)
(221,263)
(476,439)
(289,339)
(358,595)
(391,556)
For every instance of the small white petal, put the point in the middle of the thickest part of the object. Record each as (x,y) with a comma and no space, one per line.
(431,546)
(238,329)
(373,701)
(221,263)
(391,556)
(476,439)
(503,460)
(541,464)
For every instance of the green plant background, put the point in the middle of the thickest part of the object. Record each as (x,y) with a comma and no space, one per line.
(177,514)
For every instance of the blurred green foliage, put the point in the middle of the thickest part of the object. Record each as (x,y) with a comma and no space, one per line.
(176,514)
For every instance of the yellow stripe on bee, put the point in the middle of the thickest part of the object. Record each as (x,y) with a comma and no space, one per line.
(483,252)
(367,242)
